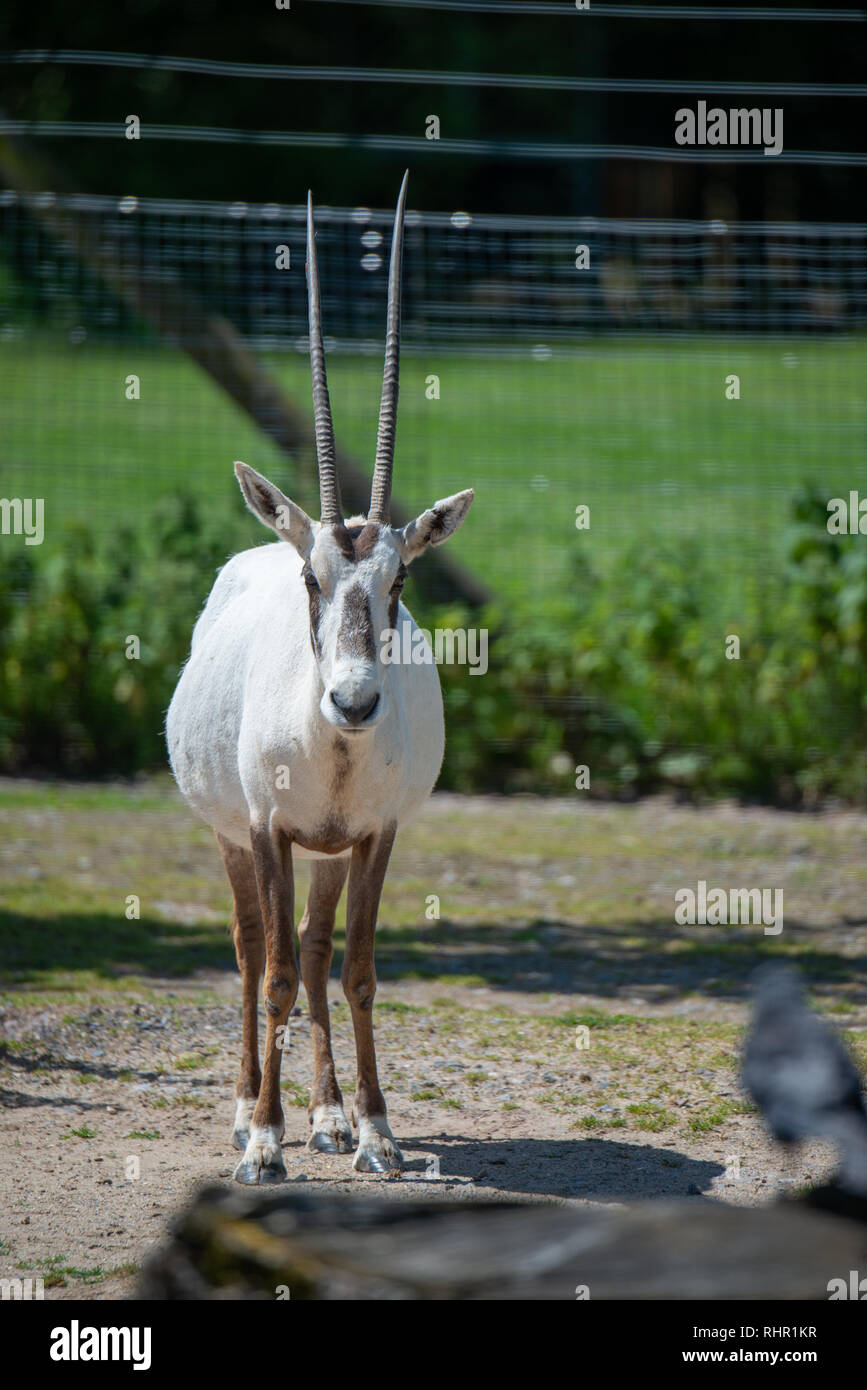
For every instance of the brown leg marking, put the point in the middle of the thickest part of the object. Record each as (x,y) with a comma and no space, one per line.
(272,860)
(250,952)
(377,1151)
(327,877)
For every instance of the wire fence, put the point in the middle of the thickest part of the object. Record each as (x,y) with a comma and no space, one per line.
(689,375)
(471,281)
(638,405)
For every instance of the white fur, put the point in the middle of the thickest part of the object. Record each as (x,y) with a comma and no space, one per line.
(253,698)
(243,1122)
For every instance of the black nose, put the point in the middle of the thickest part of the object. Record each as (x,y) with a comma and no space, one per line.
(355,714)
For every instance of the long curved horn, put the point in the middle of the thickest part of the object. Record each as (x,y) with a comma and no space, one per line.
(329,488)
(380,492)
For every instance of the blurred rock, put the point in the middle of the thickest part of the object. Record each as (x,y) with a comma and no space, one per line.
(232,1244)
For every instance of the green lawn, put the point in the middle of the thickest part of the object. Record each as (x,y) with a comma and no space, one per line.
(639,430)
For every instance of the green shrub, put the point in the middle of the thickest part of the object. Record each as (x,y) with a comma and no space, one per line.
(70,700)
(629,676)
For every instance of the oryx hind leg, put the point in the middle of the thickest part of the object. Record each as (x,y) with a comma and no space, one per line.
(249,941)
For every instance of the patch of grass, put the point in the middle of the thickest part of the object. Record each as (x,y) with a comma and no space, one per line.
(599,1122)
(189,1102)
(466,981)
(56,1272)
(296,1094)
(650,1116)
(717,1115)
(429,1093)
(840,1006)
(84,1133)
(143,1134)
(192,1061)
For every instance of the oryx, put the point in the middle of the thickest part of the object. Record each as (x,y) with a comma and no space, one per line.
(290,736)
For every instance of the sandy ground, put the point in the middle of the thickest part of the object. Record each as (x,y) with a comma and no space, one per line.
(117,1097)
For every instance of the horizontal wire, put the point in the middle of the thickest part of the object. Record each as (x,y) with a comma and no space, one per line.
(407,144)
(499,222)
(542,82)
(529,7)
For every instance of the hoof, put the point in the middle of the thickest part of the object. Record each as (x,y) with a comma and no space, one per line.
(377,1151)
(262,1161)
(324,1142)
(382,1159)
(240,1139)
(252,1174)
(331,1132)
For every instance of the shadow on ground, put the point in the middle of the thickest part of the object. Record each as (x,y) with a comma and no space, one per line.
(110,946)
(590,1168)
(654,958)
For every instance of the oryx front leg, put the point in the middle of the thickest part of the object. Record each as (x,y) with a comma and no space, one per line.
(272,858)
(377,1151)
(332,1132)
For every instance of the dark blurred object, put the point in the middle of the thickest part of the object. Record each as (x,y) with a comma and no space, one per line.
(245,1245)
(801,1076)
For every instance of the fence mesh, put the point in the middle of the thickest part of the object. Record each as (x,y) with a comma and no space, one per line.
(680,377)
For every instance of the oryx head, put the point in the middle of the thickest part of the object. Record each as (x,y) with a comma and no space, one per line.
(354,570)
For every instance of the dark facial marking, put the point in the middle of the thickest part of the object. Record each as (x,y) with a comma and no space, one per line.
(394,596)
(366,540)
(355,637)
(315,598)
(344,540)
(356,542)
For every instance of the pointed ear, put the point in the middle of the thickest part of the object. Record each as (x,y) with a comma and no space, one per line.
(435,525)
(270,505)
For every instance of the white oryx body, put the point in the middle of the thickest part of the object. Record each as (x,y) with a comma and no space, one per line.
(246,734)
(290,734)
